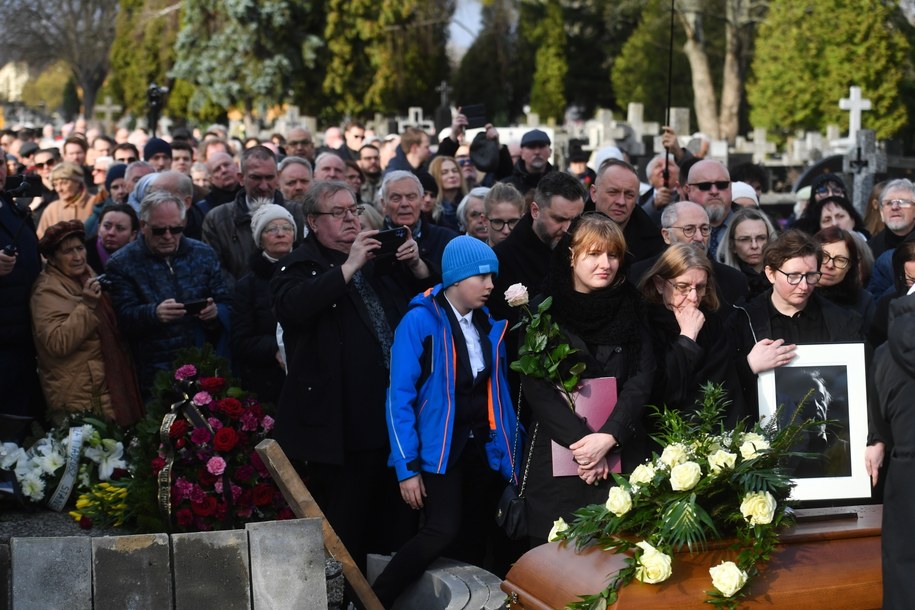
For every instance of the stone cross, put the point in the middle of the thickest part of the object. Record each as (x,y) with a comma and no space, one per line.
(635,116)
(292,116)
(761,147)
(444,91)
(415,119)
(864,160)
(854,103)
(109,110)
(533,119)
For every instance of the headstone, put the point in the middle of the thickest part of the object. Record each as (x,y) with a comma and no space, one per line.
(635,118)
(718,149)
(108,109)
(761,146)
(443,116)
(288,120)
(679,121)
(287,564)
(415,119)
(311,124)
(864,160)
(855,104)
(211,570)
(446,585)
(51,573)
(164,126)
(833,133)
(131,572)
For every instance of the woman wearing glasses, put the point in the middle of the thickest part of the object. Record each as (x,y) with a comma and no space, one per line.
(769,328)
(687,331)
(254,343)
(743,244)
(841,281)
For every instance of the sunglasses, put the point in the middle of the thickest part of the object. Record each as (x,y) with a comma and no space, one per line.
(707,186)
(127,160)
(160,231)
(45,164)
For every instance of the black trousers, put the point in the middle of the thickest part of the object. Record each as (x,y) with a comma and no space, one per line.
(458,512)
(361,501)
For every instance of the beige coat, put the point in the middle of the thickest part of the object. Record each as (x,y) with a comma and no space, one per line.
(70,363)
(59,210)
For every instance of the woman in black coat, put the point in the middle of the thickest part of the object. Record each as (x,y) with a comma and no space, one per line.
(254,345)
(598,313)
(687,332)
(841,281)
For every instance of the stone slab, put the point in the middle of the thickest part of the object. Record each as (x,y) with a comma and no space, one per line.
(51,573)
(287,564)
(131,572)
(211,570)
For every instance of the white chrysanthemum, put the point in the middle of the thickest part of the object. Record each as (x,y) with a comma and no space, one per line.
(32,486)
(50,462)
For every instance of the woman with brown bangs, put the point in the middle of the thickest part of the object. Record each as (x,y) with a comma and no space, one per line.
(841,267)
(687,332)
(451,189)
(598,313)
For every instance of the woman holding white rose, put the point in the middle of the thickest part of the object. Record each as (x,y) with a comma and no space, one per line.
(598,313)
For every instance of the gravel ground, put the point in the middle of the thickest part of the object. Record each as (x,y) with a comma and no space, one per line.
(17,523)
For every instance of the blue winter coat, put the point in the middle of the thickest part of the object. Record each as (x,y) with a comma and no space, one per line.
(420,405)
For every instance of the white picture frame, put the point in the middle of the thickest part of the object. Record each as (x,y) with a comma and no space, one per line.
(835,372)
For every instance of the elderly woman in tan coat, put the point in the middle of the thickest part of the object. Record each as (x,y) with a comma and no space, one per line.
(74,201)
(82,362)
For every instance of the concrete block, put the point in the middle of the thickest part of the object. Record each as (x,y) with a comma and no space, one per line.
(211,570)
(287,564)
(132,572)
(51,573)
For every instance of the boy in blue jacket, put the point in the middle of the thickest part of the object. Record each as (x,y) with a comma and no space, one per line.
(450,416)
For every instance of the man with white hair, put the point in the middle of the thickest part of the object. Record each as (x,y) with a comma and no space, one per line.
(663,189)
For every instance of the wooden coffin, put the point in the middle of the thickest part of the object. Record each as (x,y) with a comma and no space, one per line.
(830,559)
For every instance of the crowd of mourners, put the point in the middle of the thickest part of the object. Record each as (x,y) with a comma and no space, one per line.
(359,286)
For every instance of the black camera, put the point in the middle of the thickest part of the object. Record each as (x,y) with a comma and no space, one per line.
(11,249)
(22,185)
(105,282)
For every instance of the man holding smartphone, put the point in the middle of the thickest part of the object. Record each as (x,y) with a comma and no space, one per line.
(168,289)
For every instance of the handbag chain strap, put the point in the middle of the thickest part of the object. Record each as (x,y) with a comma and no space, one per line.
(530,449)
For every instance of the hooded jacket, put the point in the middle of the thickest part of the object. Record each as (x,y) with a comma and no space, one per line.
(420,407)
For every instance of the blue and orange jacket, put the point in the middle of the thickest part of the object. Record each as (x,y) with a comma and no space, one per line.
(420,407)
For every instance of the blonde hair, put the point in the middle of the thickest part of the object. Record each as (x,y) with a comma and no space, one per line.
(596,232)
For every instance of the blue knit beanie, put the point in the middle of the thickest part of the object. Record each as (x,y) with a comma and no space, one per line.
(116,171)
(467,256)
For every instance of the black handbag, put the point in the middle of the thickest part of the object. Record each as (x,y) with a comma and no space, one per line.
(511,512)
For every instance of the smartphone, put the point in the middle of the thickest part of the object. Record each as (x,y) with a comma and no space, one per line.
(476,115)
(390,241)
(192,308)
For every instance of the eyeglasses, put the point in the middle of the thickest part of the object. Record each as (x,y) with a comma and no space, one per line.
(707,186)
(830,189)
(840,262)
(339,213)
(683,289)
(298,142)
(690,230)
(499,224)
(276,230)
(904,204)
(160,231)
(751,239)
(464,161)
(46,164)
(811,277)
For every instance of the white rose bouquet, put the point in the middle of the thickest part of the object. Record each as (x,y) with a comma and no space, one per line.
(707,483)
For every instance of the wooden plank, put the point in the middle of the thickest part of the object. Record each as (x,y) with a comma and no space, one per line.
(303,505)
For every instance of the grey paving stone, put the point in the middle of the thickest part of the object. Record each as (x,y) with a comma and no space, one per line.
(131,572)
(51,573)
(287,564)
(211,570)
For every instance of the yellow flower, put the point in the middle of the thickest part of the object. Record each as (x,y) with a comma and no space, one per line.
(721,460)
(642,475)
(653,566)
(685,476)
(559,525)
(619,502)
(728,578)
(758,507)
(673,454)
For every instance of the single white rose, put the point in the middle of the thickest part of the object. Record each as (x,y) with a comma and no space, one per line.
(750,449)
(728,578)
(685,476)
(721,460)
(758,507)
(642,475)
(559,525)
(516,295)
(673,454)
(619,502)
(654,566)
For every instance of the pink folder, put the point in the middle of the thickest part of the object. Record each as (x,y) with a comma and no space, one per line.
(594,403)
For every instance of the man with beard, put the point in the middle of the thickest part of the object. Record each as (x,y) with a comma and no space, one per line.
(295,176)
(897,210)
(709,185)
(370,163)
(615,193)
(524,256)
(534,163)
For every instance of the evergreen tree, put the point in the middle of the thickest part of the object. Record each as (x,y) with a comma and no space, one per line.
(548,90)
(809,52)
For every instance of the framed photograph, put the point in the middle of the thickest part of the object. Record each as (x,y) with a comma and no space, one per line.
(833,375)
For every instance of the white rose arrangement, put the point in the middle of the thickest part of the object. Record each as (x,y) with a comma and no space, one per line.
(667,504)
